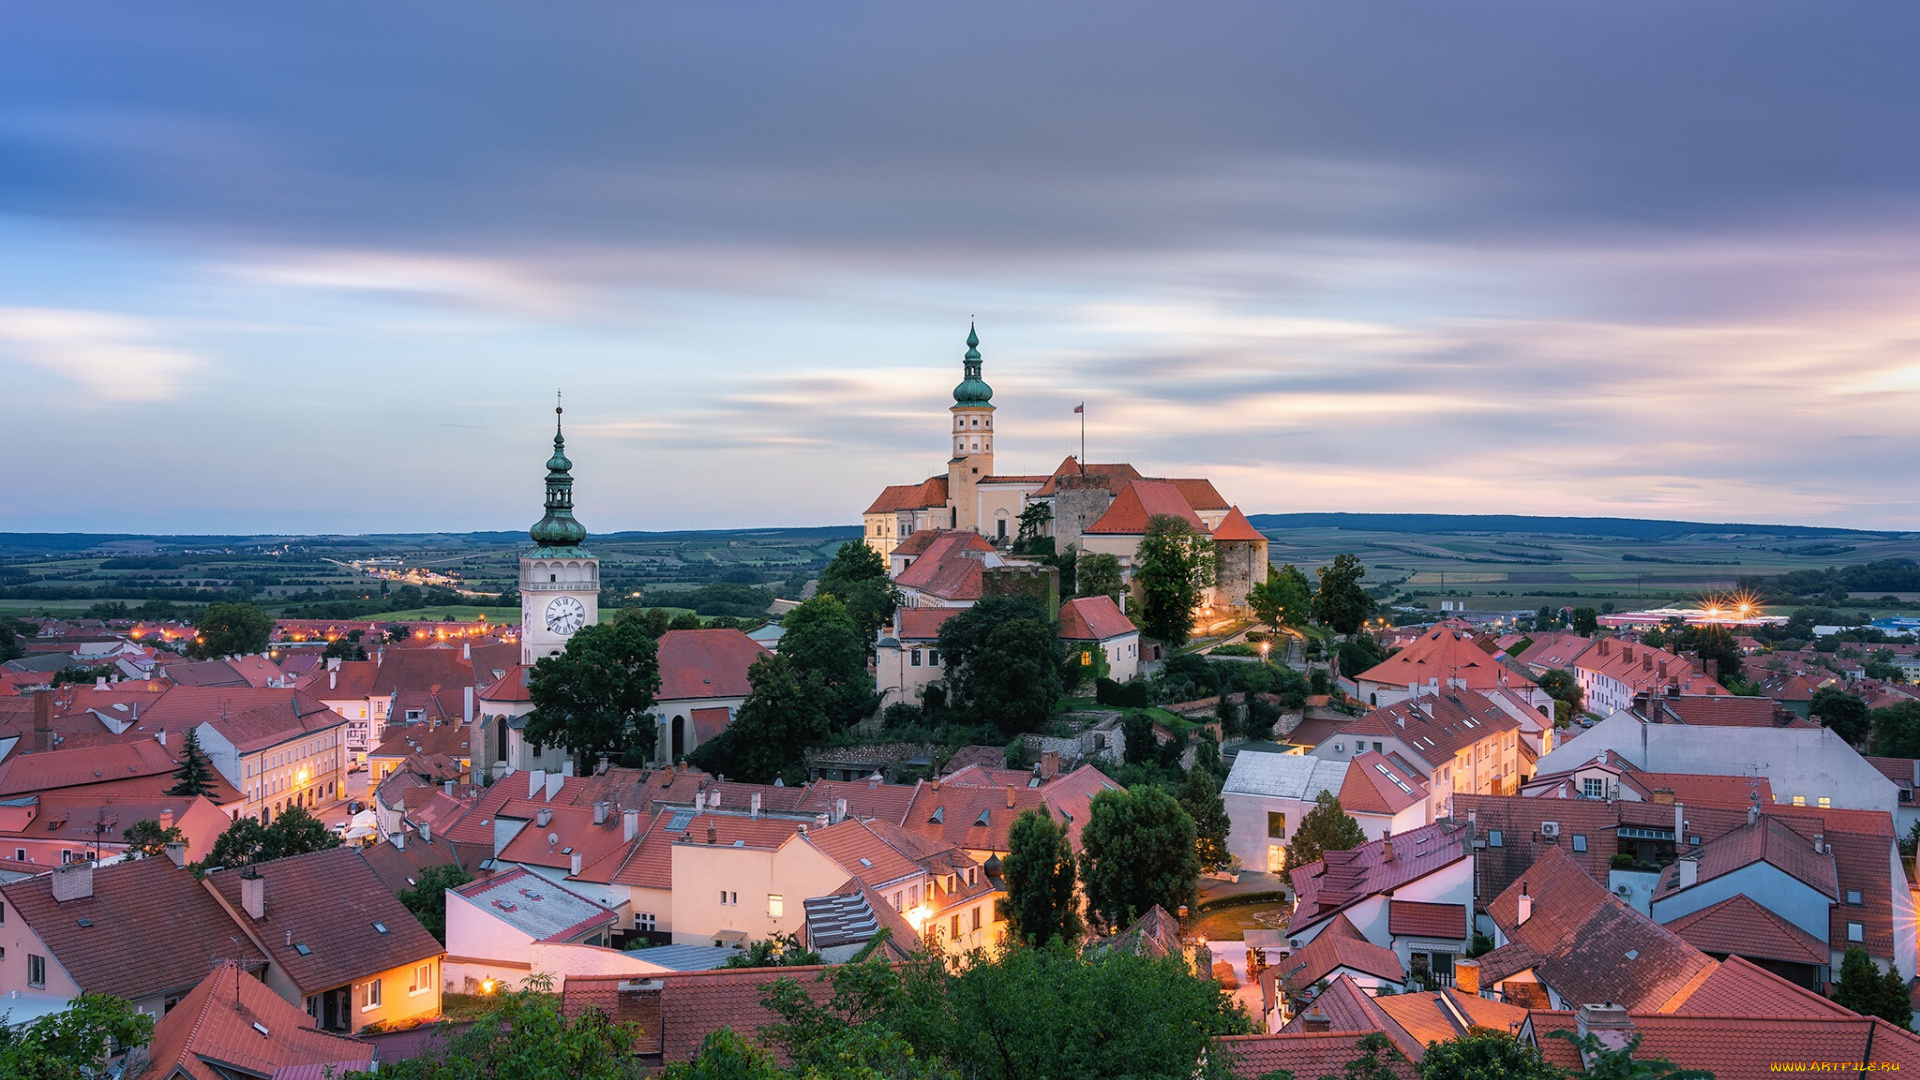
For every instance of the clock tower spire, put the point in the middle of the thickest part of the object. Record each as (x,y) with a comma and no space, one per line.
(559,579)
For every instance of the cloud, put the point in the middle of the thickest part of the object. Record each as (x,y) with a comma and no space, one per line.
(113,358)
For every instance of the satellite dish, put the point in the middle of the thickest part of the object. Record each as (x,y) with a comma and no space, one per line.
(553,838)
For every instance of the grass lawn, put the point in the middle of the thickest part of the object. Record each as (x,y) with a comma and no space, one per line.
(1232,923)
(1077,704)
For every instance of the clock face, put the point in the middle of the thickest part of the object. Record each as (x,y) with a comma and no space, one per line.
(565,615)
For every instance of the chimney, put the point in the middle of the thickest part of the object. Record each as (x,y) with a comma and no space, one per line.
(1009,799)
(1609,1024)
(566,768)
(1663,796)
(1386,846)
(1819,843)
(554,781)
(166,819)
(466,706)
(1604,646)
(1526,906)
(1626,653)
(753,807)
(574,866)
(178,853)
(544,815)
(1689,872)
(629,825)
(43,719)
(426,832)
(840,806)
(73,882)
(1753,814)
(333,677)
(1466,976)
(161,736)
(400,837)
(600,812)
(466,650)
(333,664)
(253,895)
(1646,662)
(1712,669)
(1050,764)
(99,682)
(713,798)
(448,787)
(699,802)
(536,779)
(1679,826)
(713,833)
(1315,1020)
(1663,669)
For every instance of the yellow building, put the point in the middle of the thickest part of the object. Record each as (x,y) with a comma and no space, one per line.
(292,752)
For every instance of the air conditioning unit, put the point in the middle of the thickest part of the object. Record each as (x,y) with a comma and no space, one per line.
(1549,828)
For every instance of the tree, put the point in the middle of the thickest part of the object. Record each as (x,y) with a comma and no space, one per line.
(240,845)
(427,898)
(687,620)
(1137,850)
(1032,538)
(297,832)
(10,647)
(1847,716)
(784,715)
(1174,565)
(1341,603)
(822,640)
(1564,688)
(776,950)
(73,1044)
(1896,730)
(593,698)
(146,839)
(1199,796)
(725,1055)
(857,577)
(1040,904)
(1486,1054)
(1327,827)
(524,1038)
(1003,660)
(231,630)
(1865,990)
(1586,621)
(195,774)
(1284,599)
(653,621)
(346,648)
(1098,574)
(1896,999)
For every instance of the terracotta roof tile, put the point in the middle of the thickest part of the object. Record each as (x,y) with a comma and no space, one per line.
(1416,918)
(232,1024)
(1767,840)
(930,492)
(1320,1053)
(1738,988)
(1093,618)
(922,624)
(1445,654)
(1343,878)
(1341,945)
(866,799)
(956,813)
(698,664)
(1235,526)
(1141,501)
(1746,1047)
(1108,476)
(1370,785)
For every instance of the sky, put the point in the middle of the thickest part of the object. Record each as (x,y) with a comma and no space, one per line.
(321,268)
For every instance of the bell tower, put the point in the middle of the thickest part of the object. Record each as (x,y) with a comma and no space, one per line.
(972,459)
(559,579)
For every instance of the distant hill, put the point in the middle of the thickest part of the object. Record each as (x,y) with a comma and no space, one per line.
(1626,528)
(21,543)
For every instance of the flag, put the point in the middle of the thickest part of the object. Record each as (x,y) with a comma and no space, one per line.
(1080,408)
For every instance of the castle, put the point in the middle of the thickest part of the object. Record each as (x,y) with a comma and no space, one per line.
(1090,508)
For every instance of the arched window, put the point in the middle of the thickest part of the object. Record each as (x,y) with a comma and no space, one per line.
(679,737)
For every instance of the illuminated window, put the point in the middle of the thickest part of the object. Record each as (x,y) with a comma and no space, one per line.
(776,906)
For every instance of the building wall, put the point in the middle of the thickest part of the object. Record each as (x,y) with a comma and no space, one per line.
(1768,885)
(400,999)
(1248,827)
(481,947)
(541,581)
(972,460)
(20,941)
(749,878)
(311,769)
(1002,502)
(1242,565)
(666,712)
(898,678)
(1077,503)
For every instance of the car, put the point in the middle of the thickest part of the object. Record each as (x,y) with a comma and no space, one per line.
(356,806)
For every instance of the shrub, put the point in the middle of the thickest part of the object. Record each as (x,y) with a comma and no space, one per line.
(1131,695)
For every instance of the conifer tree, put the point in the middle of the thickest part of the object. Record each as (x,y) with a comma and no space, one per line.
(195,774)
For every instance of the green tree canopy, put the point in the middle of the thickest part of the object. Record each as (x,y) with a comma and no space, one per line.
(592,699)
(1327,827)
(1032,538)
(427,897)
(1174,566)
(1284,599)
(785,714)
(1586,621)
(774,950)
(1846,715)
(857,577)
(1040,904)
(524,1038)
(195,774)
(146,839)
(821,639)
(246,841)
(1342,603)
(1486,1054)
(231,630)
(1098,574)
(1896,730)
(73,1044)
(1138,849)
(1199,796)
(1564,688)
(1003,661)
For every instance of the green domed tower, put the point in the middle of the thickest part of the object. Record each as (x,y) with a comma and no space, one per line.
(972,458)
(559,579)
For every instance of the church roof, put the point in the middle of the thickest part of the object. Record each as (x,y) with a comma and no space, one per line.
(558,532)
(1140,502)
(1237,527)
(927,493)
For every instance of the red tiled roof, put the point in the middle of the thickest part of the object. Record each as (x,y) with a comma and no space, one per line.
(952,813)
(1740,926)
(576,833)
(1070,798)
(1587,945)
(329,901)
(1693,789)
(353,681)
(1745,1047)
(1445,654)
(233,1024)
(1558,650)
(52,769)
(948,568)
(1702,710)
(698,664)
(1343,878)
(1093,618)
(1767,840)
(134,905)
(1415,918)
(866,799)
(1438,726)
(1738,987)
(927,493)
(1646,669)
(1317,1053)
(650,866)
(923,623)
(1140,502)
(1235,526)
(1108,476)
(1863,859)
(1199,493)
(1427,1017)
(513,685)
(421,669)
(1369,786)
(1341,945)
(863,853)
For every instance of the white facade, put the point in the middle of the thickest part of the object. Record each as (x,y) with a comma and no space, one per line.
(558,596)
(1267,796)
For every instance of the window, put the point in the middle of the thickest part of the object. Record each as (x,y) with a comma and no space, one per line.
(915,662)
(1855,932)
(896,901)
(955,936)
(1799,800)
(1593,787)
(1276,826)
(373,995)
(976,917)
(37,970)
(66,856)
(643,920)
(1494,838)
(1579,842)
(729,899)
(776,906)
(422,979)
(913,896)
(1826,803)
(1854,897)
(19,854)
(933,657)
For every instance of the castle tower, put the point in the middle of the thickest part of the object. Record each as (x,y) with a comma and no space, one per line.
(559,579)
(972,458)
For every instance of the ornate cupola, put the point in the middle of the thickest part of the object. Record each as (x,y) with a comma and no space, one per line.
(973,392)
(972,439)
(558,529)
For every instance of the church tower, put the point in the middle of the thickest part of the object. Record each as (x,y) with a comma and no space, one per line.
(972,459)
(559,579)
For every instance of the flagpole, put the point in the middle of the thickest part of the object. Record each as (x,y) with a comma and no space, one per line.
(1082,410)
